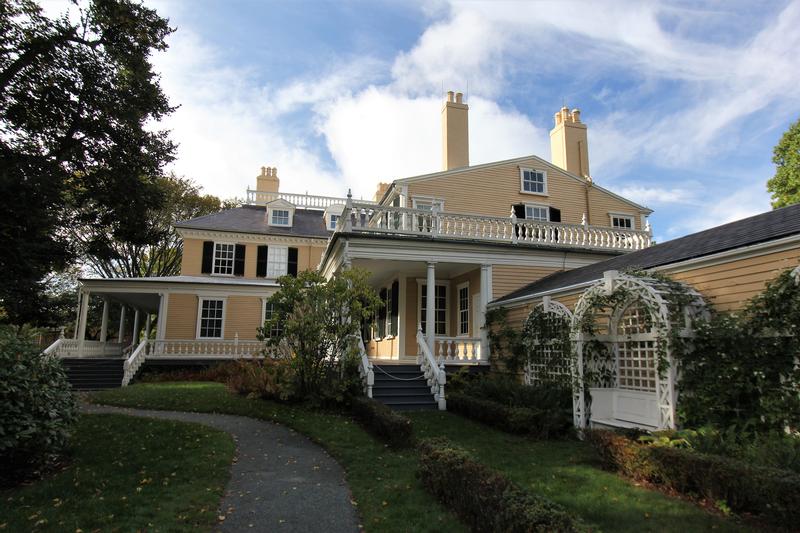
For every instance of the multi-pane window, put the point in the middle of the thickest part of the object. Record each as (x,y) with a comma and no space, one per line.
(440,318)
(388,304)
(534,181)
(332,221)
(537,212)
(211,319)
(463,310)
(621,221)
(280,217)
(277,261)
(276,330)
(223,258)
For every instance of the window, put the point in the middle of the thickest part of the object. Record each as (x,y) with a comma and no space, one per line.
(537,212)
(277,261)
(276,330)
(426,204)
(280,217)
(463,309)
(533,181)
(211,321)
(332,220)
(440,319)
(224,254)
(621,221)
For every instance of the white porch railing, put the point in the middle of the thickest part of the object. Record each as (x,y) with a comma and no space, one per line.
(365,368)
(134,362)
(71,348)
(434,372)
(233,349)
(299,200)
(367,218)
(456,350)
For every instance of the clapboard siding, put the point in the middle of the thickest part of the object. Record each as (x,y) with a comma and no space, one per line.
(508,278)
(181,316)
(242,317)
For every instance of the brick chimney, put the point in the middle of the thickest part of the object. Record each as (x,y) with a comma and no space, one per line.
(569,145)
(455,132)
(268,180)
(381,190)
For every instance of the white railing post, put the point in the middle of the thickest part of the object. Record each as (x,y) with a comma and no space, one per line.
(434,372)
(514,233)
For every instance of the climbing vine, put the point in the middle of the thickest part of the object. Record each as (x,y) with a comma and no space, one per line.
(547,346)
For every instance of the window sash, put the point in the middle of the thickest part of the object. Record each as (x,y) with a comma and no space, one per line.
(276,330)
(334,219)
(621,222)
(224,255)
(440,319)
(277,261)
(211,319)
(533,181)
(463,310)
(537,212)
(280,217)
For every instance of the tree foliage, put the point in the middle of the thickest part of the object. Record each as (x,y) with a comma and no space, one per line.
(77,98)
(318,320)
(785,184)
(160,253)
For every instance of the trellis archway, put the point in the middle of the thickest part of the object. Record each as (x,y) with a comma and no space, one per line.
(546,337)
(626,328)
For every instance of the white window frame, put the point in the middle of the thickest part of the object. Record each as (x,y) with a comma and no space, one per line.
(439,283)
(522,171)
(283,210)
(264,303)
(271,256)
(332,221)
(418,201)
(200,301)
(214,258)
(626,216)
(460,310)
(537,206)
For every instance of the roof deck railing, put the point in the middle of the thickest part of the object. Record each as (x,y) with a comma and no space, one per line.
(303,201)
(360,217)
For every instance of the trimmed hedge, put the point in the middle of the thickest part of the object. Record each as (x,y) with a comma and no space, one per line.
(484,499)
(770,492)
(540,423)
(386,424)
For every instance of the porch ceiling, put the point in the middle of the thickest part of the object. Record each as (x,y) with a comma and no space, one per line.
(382,269)
(147,302)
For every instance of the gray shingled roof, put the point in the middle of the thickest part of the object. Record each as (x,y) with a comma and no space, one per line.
(760,228)
(253,219)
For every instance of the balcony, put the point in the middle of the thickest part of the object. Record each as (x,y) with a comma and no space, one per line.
(360,217)
(302,201)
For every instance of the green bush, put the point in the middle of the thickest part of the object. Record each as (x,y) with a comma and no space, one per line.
(37,408)
(772,449)
(219,372)
(537,422)
(262,378)
(388,425)
(744,487)
(484,499)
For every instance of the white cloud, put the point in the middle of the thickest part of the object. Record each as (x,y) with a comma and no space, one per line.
(745,202)
(654,196)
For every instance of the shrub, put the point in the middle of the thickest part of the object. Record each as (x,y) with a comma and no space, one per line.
(537,422)
(263,378)
(484,499)
(773,493)
(386,424)
(219,372)
(37,408)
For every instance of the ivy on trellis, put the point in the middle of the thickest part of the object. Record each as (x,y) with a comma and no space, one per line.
(546,345)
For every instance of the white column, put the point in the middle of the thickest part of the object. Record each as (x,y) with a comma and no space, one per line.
(121,331)
(84,310)
(78,314)
(135,339)
(104,323)
(148,316)
(161,323)
(430,311)
(486,276)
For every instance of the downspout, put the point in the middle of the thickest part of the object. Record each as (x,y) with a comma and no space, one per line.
(588,182)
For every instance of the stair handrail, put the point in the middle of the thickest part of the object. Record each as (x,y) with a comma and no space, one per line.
(53,348)
(365,369)
(434,372)
(132,363)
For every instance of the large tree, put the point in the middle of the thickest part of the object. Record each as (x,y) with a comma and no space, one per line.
(78,98)
(160,254)
(785,184)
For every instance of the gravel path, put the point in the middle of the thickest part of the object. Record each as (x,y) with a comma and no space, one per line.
(281,481)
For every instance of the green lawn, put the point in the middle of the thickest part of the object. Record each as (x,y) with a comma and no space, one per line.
(390,498)
(128,474)
(383,482)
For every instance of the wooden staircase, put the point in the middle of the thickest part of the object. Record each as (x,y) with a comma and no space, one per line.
(94,373)
(402,387)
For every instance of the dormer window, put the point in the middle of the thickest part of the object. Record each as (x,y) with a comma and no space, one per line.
(533,181)
(332,221)
(333,213)
(280,217)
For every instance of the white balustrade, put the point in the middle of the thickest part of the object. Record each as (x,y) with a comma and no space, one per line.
(455,350)
(134,362)
(434,372)
(226,349)
(70,348)
(297,199)
(371,218)
(365,368)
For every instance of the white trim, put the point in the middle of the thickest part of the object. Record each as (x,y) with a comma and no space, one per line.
(255,238)
(214,259)
(440,283)
(200,300)
(530,204)
(469,310)
(629,216)
(427,200)
(271,215)
(271,254)
(522,190)
(402,287)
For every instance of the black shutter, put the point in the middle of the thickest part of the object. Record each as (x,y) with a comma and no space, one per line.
(395,308)
(238,260)
(208,257)
(382,315)
(519,210)
(555,215)
(261,261)
(292,266)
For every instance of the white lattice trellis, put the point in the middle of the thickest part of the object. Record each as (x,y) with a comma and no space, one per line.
(550,358)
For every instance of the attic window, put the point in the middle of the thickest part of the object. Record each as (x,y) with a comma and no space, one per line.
(621,221)
(533,181)
(280,217)
(332,220)
(537,212)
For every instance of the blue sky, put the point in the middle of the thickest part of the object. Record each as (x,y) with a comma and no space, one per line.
(684,101)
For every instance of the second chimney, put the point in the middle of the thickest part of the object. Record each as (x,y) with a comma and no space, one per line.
(455,132)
